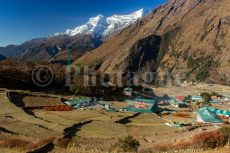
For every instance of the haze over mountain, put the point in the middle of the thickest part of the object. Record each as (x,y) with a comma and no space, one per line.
(186,38)
(79,40)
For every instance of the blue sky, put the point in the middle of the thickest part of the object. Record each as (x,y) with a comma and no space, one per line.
(22,20)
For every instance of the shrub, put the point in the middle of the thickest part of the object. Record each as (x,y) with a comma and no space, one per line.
(73,88)
(62,142)
(226,132)
(214,94)
(188,98)
(202,75)
(129,144)
(207,140)
(201,65)
(206,96)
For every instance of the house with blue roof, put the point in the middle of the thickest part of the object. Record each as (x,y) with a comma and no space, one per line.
(197,98)
(81,102)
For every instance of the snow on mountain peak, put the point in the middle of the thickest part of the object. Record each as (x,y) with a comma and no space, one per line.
(95,20)
(140,13)
(101,26)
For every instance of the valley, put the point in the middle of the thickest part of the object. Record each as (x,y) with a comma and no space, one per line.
(145,82)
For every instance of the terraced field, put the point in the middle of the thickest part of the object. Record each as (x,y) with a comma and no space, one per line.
(91,130)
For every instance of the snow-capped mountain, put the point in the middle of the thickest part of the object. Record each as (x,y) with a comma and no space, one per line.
(80,39)
(101,26)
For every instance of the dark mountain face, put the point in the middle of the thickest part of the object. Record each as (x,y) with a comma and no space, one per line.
(2,57)
(44,49)
(144,53)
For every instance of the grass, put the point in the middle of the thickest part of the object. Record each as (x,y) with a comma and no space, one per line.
(128,144)
(21,143)
(146,120)
(87,145)
(99,129)
(212,140)
(78,115)
(203,140)
(181,117)
(150,131)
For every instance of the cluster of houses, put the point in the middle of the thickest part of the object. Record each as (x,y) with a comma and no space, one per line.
(136,104)
(214,99)
(182,101)
(150,105)
(205,114)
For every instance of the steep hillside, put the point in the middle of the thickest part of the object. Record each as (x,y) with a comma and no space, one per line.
(191,39)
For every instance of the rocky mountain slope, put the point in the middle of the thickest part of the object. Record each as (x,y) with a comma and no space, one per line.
(79,40)
(187,38)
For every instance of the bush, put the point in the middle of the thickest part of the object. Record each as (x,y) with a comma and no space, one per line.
(129,144)
(73,88)
(201,65)
(214,94)
(206,96)
(188,98)
(62,142)
(207,140)
(226,132)
(201,76)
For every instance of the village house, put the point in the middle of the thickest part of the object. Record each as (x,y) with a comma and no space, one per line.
(197,98)
(215,99)
(180,98)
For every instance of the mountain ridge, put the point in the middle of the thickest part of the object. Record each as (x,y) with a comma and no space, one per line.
(91,36)
(194,36)
(101,26)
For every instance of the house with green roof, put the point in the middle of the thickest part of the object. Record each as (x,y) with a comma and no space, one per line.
(142,105)
(205,115)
